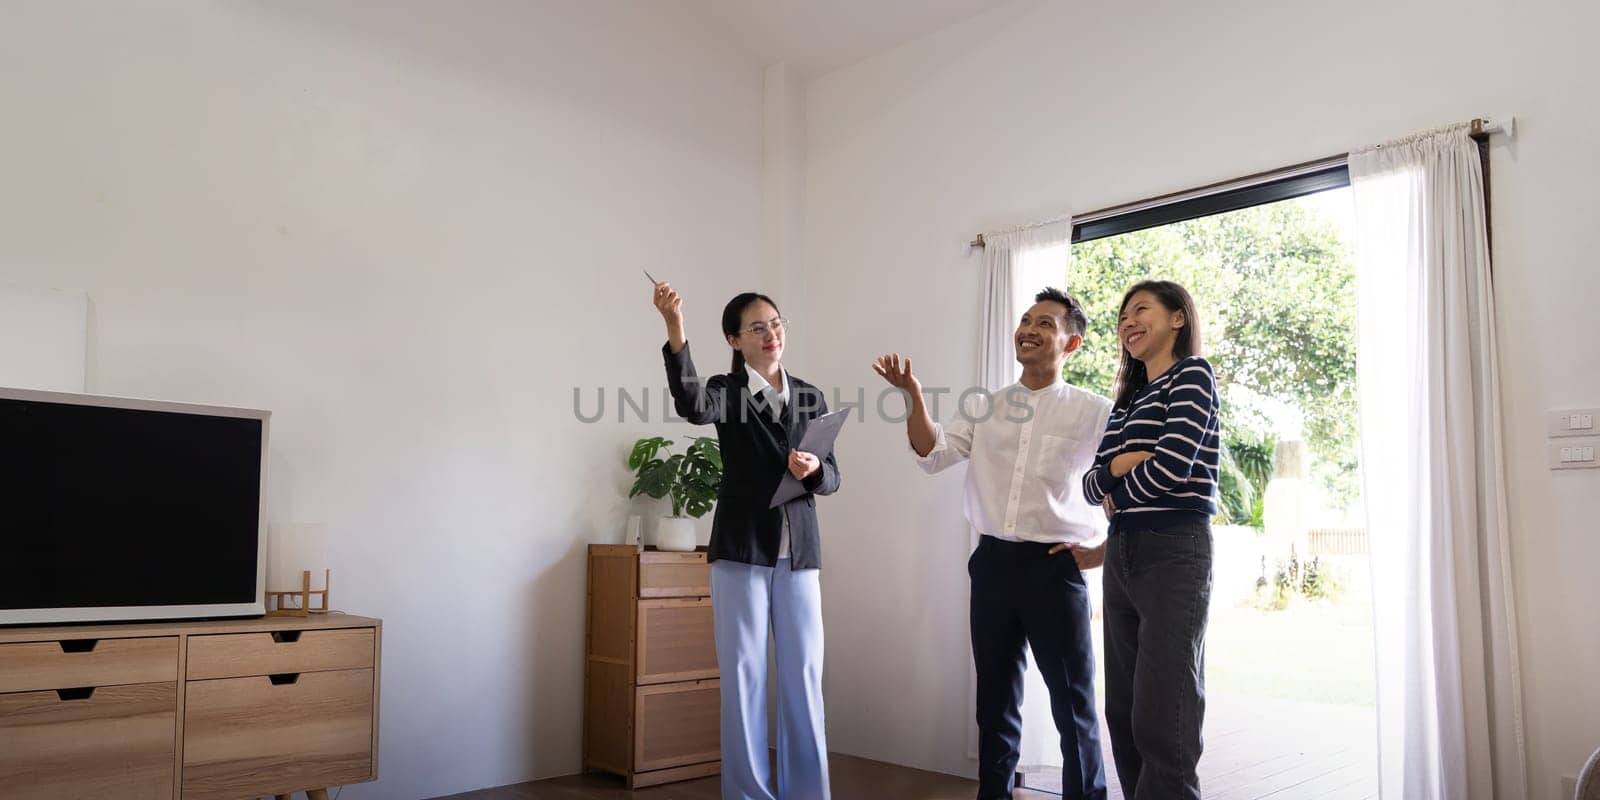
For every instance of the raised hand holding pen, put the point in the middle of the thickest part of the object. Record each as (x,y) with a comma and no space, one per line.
(670,304)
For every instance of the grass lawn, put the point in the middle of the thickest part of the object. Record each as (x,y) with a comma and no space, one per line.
(1315,653)
(1310,652)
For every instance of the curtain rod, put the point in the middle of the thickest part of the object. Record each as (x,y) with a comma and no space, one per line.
(1481,126)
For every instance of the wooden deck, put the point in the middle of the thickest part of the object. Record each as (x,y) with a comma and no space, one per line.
(1283,750)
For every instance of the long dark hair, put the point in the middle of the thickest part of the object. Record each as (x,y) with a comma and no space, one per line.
(1131,376)
(733,314)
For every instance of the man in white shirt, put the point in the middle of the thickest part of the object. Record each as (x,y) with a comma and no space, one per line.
(1027,449)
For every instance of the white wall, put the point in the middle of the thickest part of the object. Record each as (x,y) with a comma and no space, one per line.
(1043,108)
(783,177)
(43,338)
(409,230)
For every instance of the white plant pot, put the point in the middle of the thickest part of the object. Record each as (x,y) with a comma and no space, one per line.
(675,534)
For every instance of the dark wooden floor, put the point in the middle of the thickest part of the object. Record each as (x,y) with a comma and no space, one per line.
(1256,749)
(852,779)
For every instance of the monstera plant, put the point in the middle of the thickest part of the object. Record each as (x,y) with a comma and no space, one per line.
(690,479)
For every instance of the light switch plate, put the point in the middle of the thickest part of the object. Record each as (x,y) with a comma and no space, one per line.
(1574,453)
(1572,422)
(1569,786)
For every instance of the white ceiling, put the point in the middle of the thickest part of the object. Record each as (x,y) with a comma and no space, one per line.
(818,36)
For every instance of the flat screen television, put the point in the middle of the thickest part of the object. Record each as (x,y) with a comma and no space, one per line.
(119,509)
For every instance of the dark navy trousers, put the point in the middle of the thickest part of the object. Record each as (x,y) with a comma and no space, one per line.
(1023,596)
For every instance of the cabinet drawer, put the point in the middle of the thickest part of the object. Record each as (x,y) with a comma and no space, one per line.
(677,724)
(114,744)
(674,575)
(241,655)
(244,737)
(34,666)
(676,641)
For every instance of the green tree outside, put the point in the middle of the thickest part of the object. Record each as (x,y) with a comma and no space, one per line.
(1275,286)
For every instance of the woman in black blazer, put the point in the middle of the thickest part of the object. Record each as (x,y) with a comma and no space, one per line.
(764,561)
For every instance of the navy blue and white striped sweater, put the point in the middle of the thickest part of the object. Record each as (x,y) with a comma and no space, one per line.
(1175,417)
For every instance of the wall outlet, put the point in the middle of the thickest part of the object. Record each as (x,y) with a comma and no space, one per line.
(1569,787)
(1572,422)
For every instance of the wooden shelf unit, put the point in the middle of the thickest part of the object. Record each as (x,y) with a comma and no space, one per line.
(652,699)
(203,710)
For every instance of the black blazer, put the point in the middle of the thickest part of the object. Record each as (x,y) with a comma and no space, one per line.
(755,456)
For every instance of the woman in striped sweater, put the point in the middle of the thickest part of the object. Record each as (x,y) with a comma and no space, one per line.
(1156,475)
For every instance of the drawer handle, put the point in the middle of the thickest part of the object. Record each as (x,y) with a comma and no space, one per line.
(286,637)
(81,693)
(78,645)
(284,678)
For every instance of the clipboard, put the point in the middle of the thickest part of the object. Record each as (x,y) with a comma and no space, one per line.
(818,441)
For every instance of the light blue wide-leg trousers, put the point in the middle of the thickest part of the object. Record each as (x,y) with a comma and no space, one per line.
(746,600)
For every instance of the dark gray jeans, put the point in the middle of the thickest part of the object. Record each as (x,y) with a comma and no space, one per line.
(1157,594)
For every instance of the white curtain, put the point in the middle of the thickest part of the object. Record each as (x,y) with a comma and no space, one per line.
(1449,690)
(1018,263)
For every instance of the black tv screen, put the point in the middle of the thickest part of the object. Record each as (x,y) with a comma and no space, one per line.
(124,509)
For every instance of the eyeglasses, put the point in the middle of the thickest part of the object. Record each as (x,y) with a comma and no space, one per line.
(776,325)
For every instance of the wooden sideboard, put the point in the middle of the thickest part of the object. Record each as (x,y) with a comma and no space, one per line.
(652,701)
(204,710)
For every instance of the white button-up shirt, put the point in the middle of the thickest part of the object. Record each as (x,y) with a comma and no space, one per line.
(776,400)
(1024,482)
